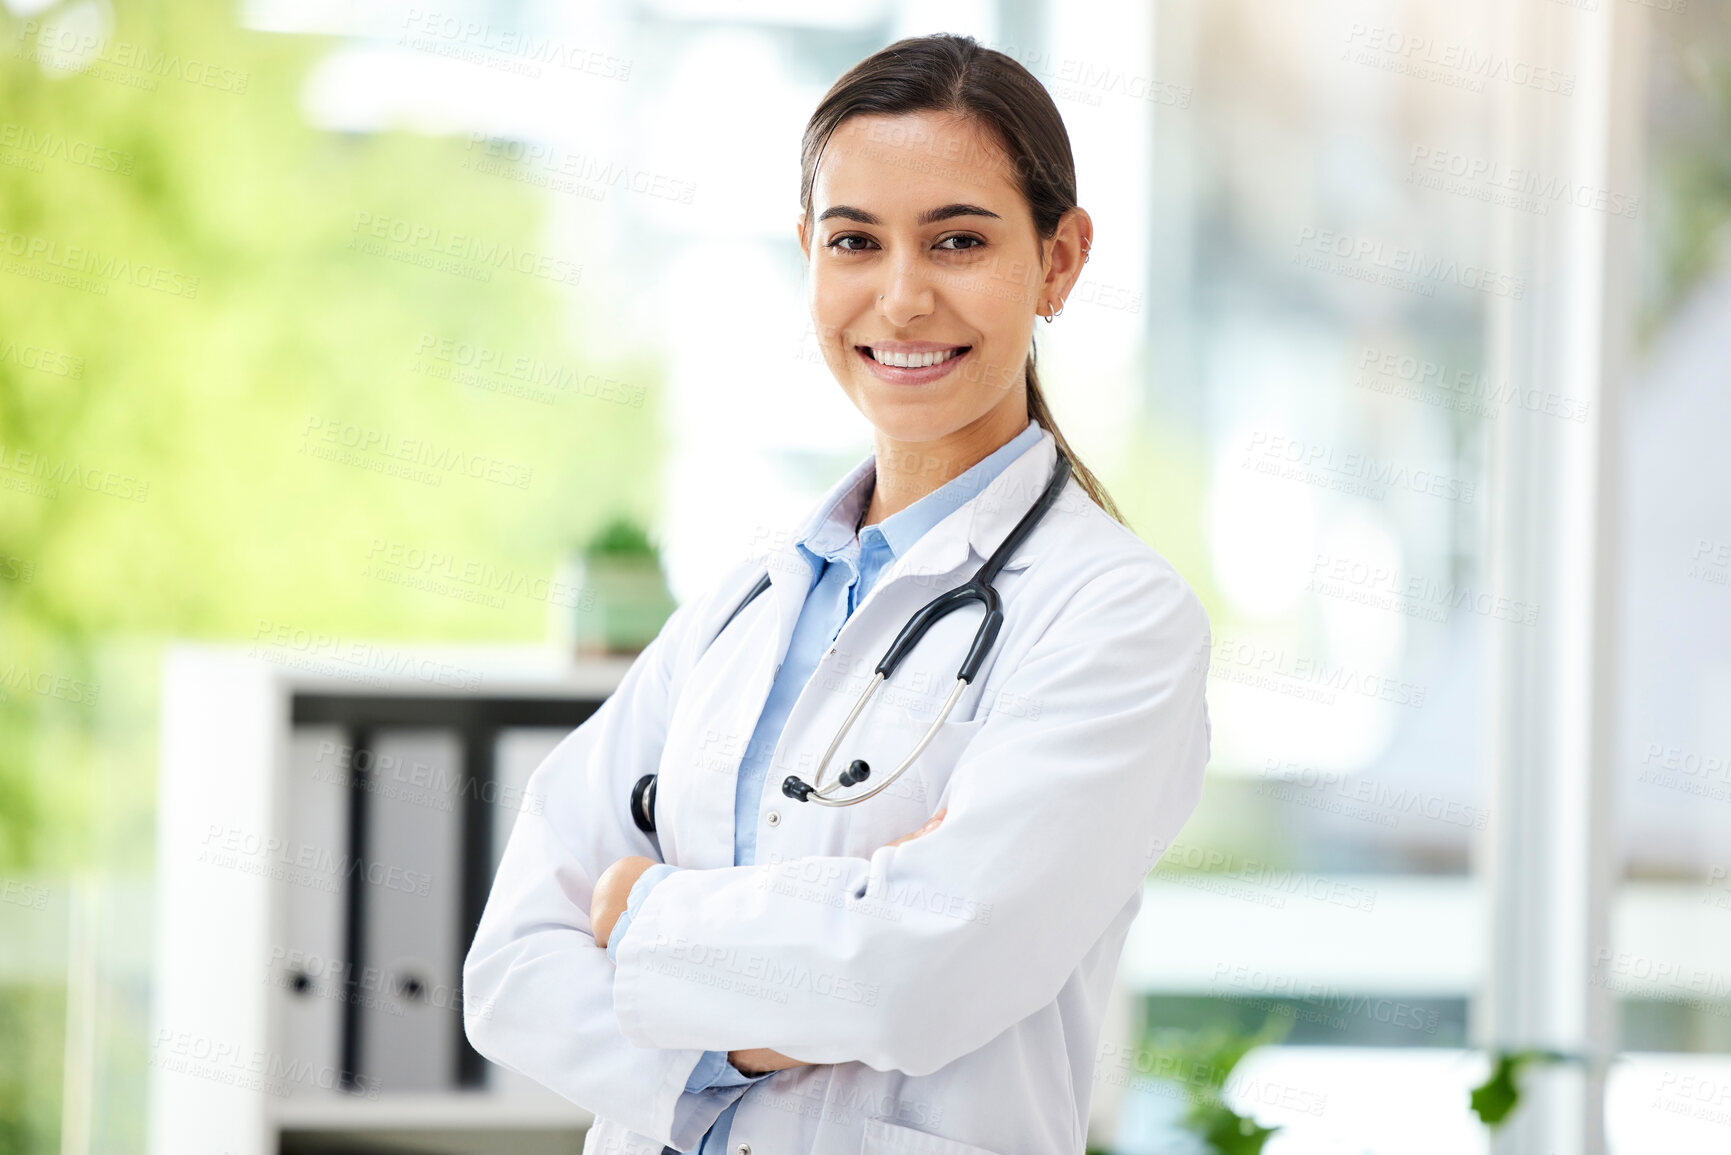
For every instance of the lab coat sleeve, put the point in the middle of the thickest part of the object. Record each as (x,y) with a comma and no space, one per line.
(538,991)
(1057,811)
(633,901)
(714,1069)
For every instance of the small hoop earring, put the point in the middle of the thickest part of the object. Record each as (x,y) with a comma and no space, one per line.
(1053,315)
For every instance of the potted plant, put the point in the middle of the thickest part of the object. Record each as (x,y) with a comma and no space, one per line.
(622,600)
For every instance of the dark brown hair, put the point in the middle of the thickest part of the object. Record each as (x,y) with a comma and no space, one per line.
(955,74)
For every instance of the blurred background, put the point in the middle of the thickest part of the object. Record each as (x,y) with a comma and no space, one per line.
(359,370)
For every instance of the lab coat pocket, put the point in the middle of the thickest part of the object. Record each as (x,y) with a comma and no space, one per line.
(885,1138)
(910,800)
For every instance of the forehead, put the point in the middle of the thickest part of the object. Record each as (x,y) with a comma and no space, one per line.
(889,163)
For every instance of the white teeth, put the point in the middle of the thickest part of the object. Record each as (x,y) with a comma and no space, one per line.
(912,360)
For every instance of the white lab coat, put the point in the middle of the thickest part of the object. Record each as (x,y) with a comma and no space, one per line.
(955,1008)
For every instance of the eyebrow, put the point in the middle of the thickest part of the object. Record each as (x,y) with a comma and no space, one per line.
(930,216)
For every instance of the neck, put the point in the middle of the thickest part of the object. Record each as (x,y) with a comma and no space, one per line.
(908,470)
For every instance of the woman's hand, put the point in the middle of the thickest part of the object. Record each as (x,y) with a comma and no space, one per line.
(931,825)
(762,1060)
(611,891)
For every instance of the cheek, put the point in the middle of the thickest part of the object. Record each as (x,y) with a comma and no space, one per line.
(834,289)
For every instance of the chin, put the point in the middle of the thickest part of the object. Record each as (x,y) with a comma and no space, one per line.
(913,423)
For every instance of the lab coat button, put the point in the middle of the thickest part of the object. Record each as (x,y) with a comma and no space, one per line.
(773,818)
(744,1149)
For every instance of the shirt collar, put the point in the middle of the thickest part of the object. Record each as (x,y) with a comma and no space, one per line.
(831,530)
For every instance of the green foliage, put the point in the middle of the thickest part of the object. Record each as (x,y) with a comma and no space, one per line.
(620,537)
(1687,204)
(1497,1097)
(30,1068)
(216,401)
(1207,1057)
(195,317)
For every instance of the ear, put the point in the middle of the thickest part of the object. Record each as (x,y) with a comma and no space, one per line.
(1066,253)
(799,231)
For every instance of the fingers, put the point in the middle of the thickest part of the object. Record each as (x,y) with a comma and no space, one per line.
(930,825)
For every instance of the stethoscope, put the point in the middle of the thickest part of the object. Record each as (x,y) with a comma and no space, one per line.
(979,589)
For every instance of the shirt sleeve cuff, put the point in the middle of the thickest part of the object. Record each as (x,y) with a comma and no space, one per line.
(633,902)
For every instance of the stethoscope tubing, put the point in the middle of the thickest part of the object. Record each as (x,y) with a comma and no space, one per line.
(977,589)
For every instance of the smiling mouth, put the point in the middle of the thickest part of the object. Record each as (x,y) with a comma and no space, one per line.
(913,360)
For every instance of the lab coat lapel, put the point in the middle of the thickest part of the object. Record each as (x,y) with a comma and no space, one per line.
(975,529)
(967,535)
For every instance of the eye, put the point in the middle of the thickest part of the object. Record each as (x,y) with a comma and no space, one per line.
(835,242)
(973,242)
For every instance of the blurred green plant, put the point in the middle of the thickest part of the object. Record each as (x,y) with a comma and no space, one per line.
(621,537)
(1208,1057)
(1494,1100)
(189,302)
(1688,211)
(208,404)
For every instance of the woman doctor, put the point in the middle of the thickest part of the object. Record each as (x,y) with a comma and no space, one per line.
(926,970)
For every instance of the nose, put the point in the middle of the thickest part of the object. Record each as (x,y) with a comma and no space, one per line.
(907,291)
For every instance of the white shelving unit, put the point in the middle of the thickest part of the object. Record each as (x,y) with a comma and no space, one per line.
(330,816)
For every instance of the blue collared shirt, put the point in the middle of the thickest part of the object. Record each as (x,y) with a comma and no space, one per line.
(845,566)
